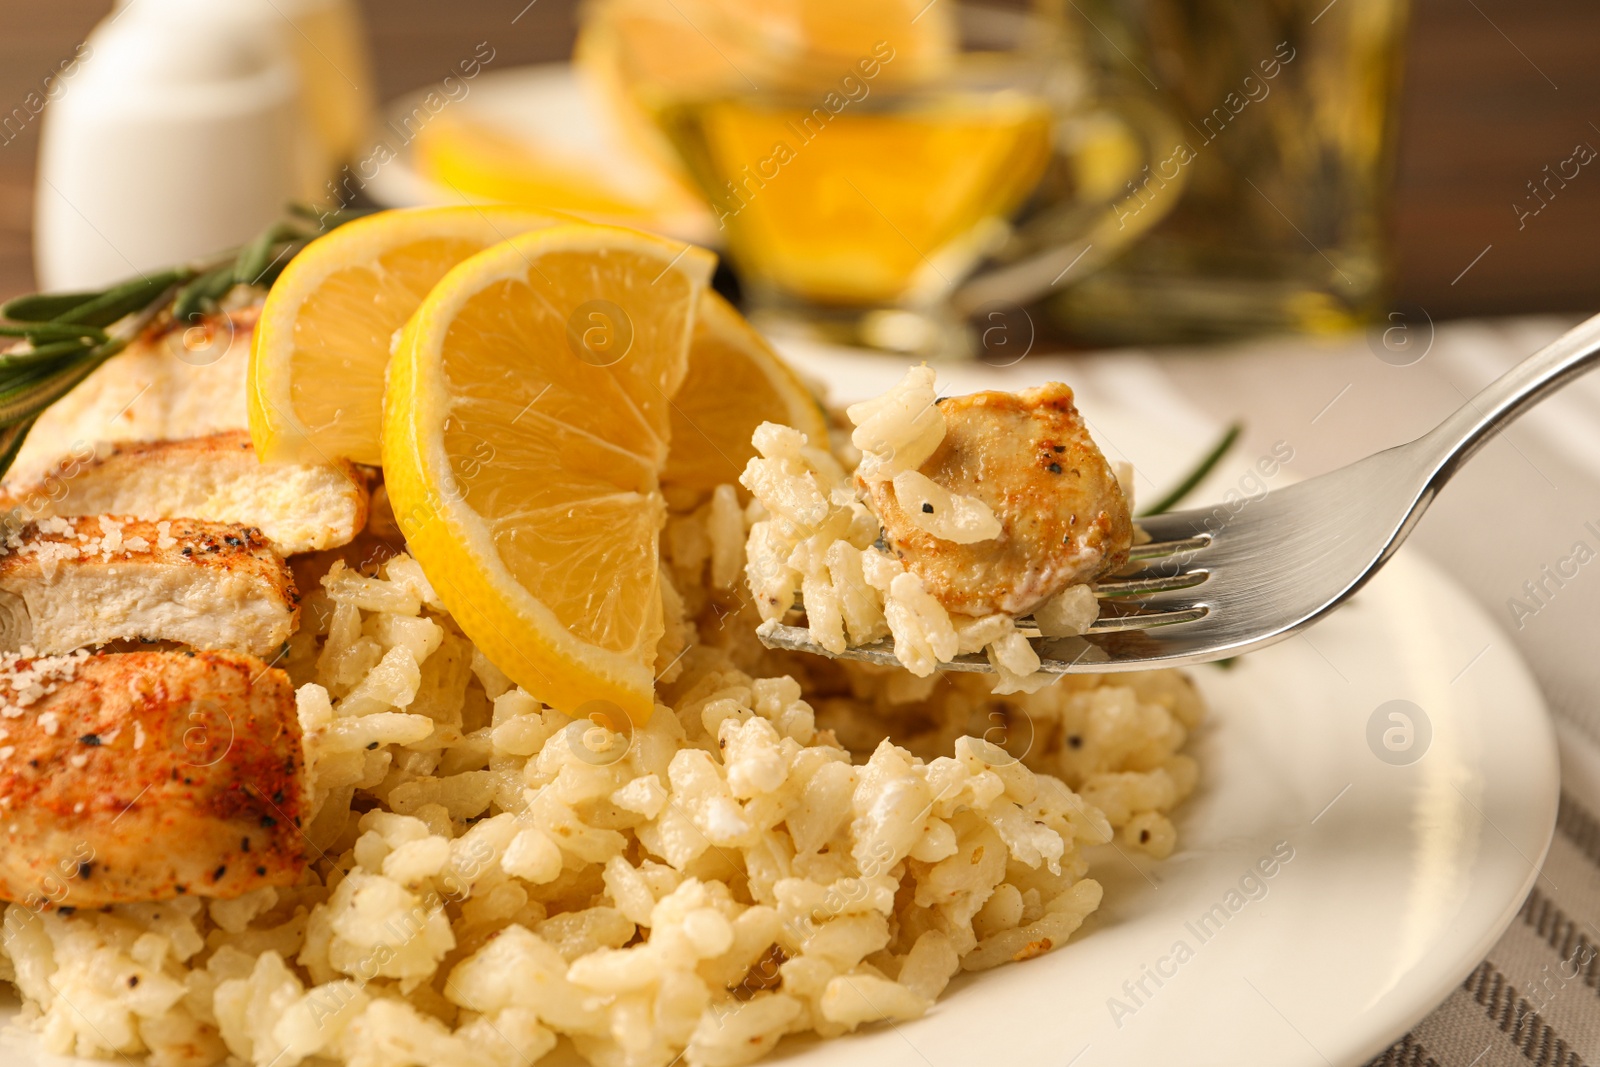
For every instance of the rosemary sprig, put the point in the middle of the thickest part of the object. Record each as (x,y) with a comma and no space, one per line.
(66,336)
(1198,474)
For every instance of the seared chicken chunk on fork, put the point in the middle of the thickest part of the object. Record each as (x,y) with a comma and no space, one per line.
(1028,456)
(144,776)
(72,583)
(298,507)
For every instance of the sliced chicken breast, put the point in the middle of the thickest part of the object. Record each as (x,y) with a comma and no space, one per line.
(82,582)
(175,380)
(143,776)
(298,507)
(1029,457)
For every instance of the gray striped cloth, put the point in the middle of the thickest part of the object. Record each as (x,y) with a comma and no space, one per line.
(1536,999)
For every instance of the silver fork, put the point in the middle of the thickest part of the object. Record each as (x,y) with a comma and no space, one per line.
(1217,583)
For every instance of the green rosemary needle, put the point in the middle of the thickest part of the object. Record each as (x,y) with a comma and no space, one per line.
(1198,473)
(53,331)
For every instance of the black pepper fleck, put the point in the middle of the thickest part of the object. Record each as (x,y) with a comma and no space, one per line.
(188,551)
(267,822)
(244,844)
(261,872)
(92,740)
(1058,448)
(133,981)
(1055,468)
(927,509)
(1144,835)
(85,869)
(1074,741)
(371,745)
(216,875)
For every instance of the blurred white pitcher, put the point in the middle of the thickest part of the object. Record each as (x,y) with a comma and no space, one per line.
(190,126)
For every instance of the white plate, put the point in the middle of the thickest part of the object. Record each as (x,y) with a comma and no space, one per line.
(1401,876)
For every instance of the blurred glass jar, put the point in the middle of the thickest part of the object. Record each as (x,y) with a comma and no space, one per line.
(864,157)
(1286,155)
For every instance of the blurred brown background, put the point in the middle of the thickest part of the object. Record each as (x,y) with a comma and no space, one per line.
(1495,91)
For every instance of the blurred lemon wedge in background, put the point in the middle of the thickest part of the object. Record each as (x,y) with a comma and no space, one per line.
(698,46)
(735,383)
(525,425)
(486,161)
(547,137)
(315,389)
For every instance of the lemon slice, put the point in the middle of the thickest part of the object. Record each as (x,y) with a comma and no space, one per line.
(315,388)
(526,421)
(735,383)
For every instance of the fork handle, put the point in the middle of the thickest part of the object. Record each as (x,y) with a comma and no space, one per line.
(1458,437)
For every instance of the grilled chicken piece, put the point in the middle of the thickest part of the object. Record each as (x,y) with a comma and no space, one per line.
(298,507)
(175,380)
(1029,457)
(143,776)
(72,583)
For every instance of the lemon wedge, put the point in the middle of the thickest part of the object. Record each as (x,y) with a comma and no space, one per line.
(735,383)
(525,423)
(698,47)
(315,388)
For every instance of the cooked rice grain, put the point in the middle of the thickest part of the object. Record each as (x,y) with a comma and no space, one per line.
(491,876)
(486,883)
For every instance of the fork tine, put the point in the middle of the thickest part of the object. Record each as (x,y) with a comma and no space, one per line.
(1144,582)
(1145,620)
(1176,525)
(798,639)
(1159,549)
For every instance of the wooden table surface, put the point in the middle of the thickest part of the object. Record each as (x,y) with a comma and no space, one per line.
(1495,90)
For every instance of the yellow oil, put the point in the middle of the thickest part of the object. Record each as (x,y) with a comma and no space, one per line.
(834,201)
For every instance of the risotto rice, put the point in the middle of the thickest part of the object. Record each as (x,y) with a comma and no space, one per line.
(814,538)
(491,878)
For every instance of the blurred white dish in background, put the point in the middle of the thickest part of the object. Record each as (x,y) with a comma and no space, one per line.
(540,136)
(190,125)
